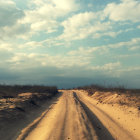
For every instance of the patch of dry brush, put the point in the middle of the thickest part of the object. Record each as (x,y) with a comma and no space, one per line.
(114,95)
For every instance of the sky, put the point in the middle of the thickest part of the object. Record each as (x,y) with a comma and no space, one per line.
(69,43)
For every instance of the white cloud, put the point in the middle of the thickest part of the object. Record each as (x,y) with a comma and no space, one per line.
(138,27)
(30,45)
(90,24)
(107,67)
(128,44)
(33,60)
(49,27)
(134,48)
(62,5)
(44,14)
(6,53)
(81,58)
(5,46)
(128,56)
(84,51)
(16,31)
(80,19)
(111,34)
(82,25)
(51,42)
(125,10)
(130,69)
(111,66)
(9,13)
(66,5)
(10,21)
(94,51)
(39,21)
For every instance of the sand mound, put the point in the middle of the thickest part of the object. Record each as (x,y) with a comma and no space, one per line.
(15,110)
(128,99)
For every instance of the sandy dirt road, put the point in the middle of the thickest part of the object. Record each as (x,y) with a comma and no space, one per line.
(74,117)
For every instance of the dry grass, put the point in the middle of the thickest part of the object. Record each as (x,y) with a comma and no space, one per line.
(8,91)
(119,89)
(114,95)
(16,100)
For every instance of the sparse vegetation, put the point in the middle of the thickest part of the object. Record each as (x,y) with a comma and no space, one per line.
(16,100)
(114,95)
(9,91)
(91,89)
(22,97)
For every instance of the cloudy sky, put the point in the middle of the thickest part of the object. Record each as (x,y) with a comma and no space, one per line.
(70,42)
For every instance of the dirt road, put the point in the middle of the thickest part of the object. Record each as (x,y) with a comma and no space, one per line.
(74,117)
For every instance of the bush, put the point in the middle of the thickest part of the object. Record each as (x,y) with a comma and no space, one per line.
(12,91)
(120,89)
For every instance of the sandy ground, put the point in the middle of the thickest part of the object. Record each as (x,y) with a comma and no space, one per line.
(76,116)
(123,122)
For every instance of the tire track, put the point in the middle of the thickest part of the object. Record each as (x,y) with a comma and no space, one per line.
(101,131)
(72,118)
(65,118)
(82,117)
(117,131)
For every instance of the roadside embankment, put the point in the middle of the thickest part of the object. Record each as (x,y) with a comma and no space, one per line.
(16,108)
(123,108)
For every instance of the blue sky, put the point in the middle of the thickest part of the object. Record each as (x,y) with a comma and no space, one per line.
(70,42)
